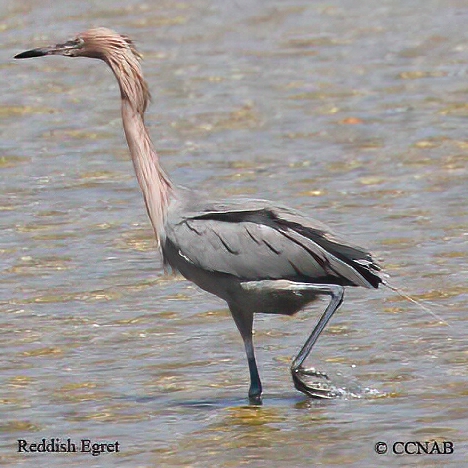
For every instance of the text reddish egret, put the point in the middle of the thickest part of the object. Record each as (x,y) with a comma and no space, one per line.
(256,255)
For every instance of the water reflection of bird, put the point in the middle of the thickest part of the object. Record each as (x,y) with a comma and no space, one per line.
(256,255)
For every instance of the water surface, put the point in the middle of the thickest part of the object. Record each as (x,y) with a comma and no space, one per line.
(354,113)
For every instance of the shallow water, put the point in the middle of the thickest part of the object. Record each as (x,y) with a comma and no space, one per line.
(355,113)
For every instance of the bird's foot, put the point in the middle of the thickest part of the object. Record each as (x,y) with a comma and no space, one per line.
(312,372)
(313,389)
(255,393)
(255,400)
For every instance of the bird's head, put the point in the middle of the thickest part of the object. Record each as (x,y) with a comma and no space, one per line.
(117,50)
(101,43)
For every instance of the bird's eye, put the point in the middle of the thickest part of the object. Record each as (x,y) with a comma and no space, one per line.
(79,42)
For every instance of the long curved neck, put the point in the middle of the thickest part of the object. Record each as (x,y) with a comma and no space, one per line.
(155,184)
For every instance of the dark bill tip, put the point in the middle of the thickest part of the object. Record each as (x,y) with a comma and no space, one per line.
(32,53)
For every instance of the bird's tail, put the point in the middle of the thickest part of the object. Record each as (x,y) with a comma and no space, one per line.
(414,301)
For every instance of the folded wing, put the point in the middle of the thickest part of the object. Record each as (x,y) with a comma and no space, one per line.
(255,241)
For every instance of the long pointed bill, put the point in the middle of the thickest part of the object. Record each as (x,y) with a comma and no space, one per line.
(59,49)
(33,53)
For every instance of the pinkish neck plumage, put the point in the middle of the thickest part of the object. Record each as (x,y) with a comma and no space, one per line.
(155,184)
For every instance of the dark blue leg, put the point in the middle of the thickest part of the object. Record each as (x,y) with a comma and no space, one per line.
(255,390)
(298,372)
(244,322)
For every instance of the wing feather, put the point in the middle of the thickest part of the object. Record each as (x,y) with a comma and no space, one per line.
(259,241)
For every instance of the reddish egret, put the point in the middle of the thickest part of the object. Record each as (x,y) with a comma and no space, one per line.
(258,256)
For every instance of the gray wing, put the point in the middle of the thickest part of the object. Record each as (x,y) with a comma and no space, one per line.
(254,240)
